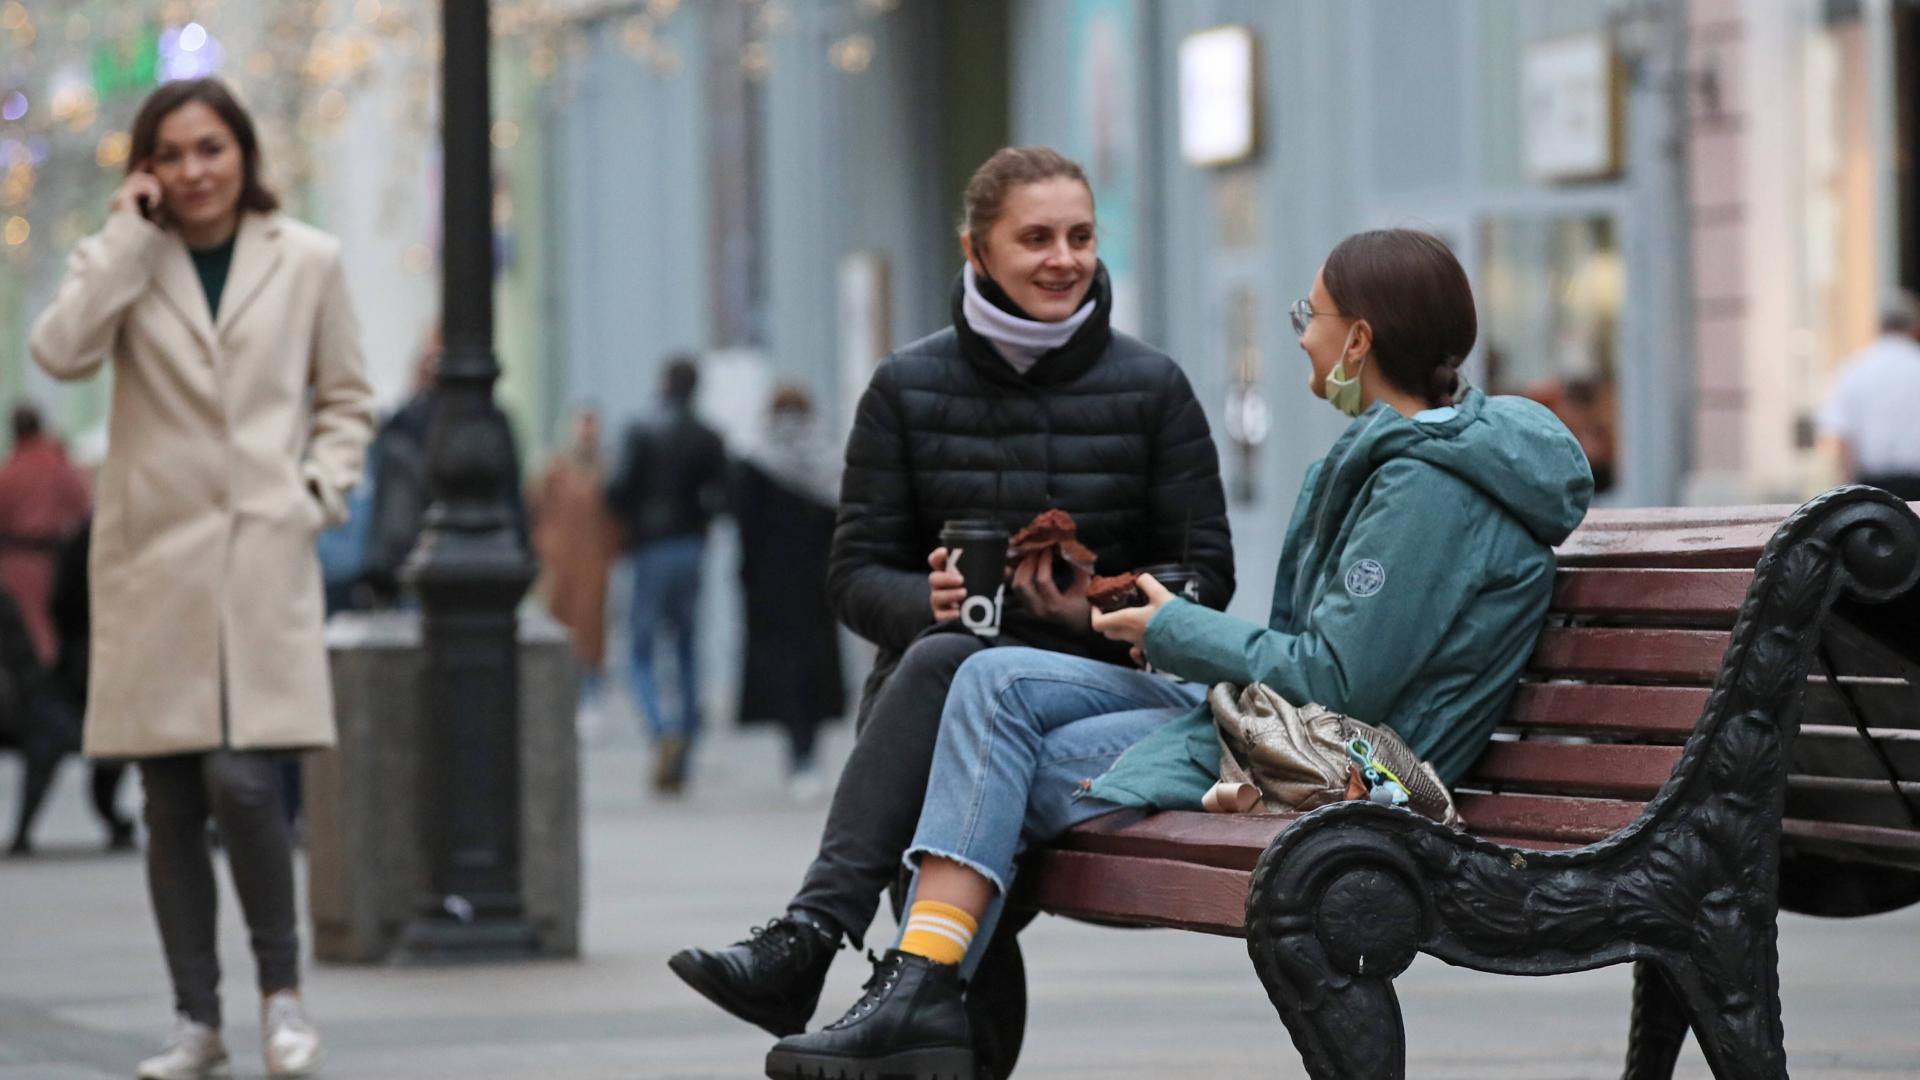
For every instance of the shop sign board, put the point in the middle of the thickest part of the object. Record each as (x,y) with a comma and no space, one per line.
(1570,94)
(1218,119)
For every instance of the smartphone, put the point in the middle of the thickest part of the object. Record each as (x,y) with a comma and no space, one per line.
(150,208)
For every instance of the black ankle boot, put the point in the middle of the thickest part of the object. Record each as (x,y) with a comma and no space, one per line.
(910,1025)
(772,979)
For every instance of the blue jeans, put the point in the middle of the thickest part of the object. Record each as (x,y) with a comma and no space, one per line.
(1022,728)
(666,599)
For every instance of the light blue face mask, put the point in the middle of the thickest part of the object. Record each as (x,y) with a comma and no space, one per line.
(1341,390)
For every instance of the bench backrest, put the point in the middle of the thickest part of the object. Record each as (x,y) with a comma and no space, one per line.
(1641,615)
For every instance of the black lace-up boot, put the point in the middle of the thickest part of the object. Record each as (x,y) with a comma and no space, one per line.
(772,979)
(911,1024)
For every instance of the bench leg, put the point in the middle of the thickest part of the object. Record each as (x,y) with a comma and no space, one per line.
(1328,957)
(1658,1027)
(1343,1027)
(1738,1027)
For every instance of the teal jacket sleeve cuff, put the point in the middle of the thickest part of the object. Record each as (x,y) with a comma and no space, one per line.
(1186,639)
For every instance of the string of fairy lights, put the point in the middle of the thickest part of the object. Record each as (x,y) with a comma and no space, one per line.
(73,71)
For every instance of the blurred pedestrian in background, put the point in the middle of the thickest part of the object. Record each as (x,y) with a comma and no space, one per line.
(26,724)
(43,505)
(670,484)
(400,486)
(1870,414)
(1587,408)
(240,417)
(65,689)
(43,501)
(576,541)
(397,472)
(783,495)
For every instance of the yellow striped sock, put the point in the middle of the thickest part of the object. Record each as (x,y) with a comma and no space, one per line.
(940,932)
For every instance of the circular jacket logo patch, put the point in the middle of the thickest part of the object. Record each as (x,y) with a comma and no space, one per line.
(1366,577)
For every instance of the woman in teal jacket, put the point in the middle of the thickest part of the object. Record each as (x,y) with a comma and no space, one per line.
(1412,583)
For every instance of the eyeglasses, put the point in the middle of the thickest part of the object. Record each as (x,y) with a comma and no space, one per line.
(1302,313)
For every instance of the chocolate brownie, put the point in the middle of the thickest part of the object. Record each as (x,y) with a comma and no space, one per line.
(1110,594)
(1053,529)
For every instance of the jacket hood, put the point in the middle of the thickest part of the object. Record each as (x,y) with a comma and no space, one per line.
(1513,449)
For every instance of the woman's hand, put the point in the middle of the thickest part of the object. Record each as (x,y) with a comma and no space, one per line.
(1033,580)
(139,192)
(1130,624)
(946,587)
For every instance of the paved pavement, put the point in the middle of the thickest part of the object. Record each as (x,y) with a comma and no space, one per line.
(83,994)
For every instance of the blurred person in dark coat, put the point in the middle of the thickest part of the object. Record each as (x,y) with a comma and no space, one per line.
(670,484)
(783,496)
(401,485)
(26,725)
(63,693)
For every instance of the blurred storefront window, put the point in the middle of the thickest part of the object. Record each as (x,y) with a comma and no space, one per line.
(1553,290)
(1838,225)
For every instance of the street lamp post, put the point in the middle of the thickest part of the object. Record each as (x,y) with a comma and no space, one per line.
(469,568)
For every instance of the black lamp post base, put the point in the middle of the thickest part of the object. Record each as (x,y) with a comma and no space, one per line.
(437,941)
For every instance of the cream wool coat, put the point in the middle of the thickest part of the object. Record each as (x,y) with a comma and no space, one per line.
(231,444)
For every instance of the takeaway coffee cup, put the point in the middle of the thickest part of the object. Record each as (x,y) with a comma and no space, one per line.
(1179,580)
(977,548)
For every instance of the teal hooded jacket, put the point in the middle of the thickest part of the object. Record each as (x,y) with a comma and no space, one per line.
(1413,581)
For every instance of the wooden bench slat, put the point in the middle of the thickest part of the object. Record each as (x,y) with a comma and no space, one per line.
(1554,768)
(1888,703)
(1729,537)
(1850,785)
(1664,595)
(1128,890)
(1611,653)
(1875,805)
(1232,841)
(1829,750)
(1896,847)
(1873,641)
(1666,713)
(1545,817)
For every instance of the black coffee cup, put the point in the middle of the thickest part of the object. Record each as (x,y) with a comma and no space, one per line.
(977,547)
(1179,580)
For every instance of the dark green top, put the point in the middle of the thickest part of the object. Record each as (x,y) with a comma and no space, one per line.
(212,264)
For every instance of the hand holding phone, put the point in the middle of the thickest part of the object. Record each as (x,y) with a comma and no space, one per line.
(140,192)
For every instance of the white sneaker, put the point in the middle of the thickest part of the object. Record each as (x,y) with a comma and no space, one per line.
(287,1039)
(590,721)
(192,1052)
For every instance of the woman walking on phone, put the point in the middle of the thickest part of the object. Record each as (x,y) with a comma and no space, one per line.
(240,416)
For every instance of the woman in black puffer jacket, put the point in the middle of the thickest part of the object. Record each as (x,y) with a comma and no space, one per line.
(1029,402)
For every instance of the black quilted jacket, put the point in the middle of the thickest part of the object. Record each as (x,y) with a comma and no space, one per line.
(1105,428)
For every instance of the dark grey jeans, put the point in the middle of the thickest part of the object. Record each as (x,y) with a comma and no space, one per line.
(876,804)
(240,792)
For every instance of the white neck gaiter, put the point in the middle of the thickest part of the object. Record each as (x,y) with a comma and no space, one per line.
(1019,341)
